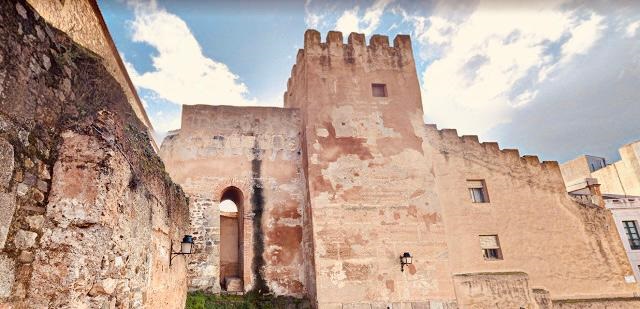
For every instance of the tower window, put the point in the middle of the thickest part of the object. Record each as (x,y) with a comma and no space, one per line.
(478,191)
(631,227)
(490,247)
(379,90)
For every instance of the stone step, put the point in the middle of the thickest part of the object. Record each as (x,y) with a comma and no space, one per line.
(233,284)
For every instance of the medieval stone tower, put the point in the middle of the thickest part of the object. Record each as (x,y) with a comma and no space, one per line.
(371,186)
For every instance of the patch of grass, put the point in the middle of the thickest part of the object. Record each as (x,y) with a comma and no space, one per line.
(200,300)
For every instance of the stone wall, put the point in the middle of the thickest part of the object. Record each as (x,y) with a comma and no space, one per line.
(258,151)
(494,290)
(566,248)
(371,187)
(82,21)
(87,211)
(598,303)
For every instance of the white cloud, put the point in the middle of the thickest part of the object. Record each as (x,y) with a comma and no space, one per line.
(491,62)
(311,19)
(181,73)
(583,36)
(351,20)
(372,15)
(164,122)
(632,28)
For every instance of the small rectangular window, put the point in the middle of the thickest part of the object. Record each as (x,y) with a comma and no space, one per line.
(631,227)
(478,191)
(490,247)
(379,90)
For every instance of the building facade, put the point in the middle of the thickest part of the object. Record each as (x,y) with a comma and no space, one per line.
(619,178)
(626,214)
(333,188)
(614,186)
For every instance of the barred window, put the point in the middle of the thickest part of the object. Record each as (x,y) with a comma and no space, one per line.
(631,227)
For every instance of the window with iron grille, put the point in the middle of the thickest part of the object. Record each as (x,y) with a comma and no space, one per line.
(490,247)
(631,227)
(478,191)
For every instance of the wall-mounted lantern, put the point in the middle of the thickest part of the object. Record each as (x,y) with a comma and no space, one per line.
(185,248)
(405,259)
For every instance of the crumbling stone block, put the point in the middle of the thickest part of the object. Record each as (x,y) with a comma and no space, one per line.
(25,239)
(35,222)
(7,198)
(26,256)
(7,166)
(7,269)
(104,286)
(7,209)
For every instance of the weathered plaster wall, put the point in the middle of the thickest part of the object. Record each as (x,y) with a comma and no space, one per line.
(371,188)
(566,248)
(257,150)
(575,170)
(598,303)
(82,21)
(87,210)
(494,290)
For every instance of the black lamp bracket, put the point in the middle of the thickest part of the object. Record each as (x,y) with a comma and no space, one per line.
(173,254)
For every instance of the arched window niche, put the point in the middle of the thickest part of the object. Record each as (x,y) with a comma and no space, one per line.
(231,241)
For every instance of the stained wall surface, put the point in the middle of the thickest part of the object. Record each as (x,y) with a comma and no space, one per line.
(566,248)
(258,151)
(371,185)
(87,212)
(382,183)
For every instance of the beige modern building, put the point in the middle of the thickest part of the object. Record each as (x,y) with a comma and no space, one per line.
(619,178)
(613,186)
(333,188)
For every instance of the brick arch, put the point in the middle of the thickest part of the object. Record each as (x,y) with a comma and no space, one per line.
(245,223)
(244,185)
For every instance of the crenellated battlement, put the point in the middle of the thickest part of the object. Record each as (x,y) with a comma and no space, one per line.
(334,53)
(450,138)
(334,41)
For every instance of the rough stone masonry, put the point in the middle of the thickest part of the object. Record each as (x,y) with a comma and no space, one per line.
(87,213)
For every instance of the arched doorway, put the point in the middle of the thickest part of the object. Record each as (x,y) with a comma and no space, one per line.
(231,209)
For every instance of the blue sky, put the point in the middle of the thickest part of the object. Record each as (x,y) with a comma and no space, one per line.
(555,78)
